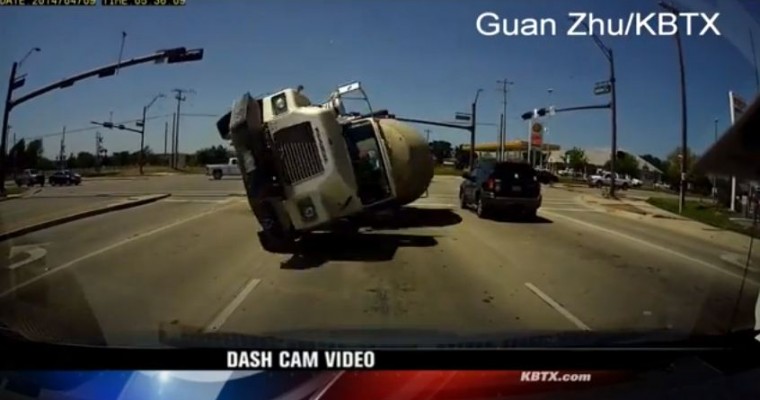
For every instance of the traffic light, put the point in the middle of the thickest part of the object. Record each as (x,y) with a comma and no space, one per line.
(108,125)
(184,56)
(541,112)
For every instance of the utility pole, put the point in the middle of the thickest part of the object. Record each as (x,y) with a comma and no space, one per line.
(472,129)
(166,133)
(180,98)
(62,152)
(500,151)
(15,153)
(503,129)
(714,179)
(754,60)
(174,140)
(684,147)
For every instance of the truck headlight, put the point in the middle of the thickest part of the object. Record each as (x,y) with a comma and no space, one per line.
(307,209)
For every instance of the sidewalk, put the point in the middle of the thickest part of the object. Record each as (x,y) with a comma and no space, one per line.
(636,207)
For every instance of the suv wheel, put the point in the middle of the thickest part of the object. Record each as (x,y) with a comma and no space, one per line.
(462,200)
(481,209)
(217,174)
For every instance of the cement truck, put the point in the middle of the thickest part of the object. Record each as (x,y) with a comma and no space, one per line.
(315,167)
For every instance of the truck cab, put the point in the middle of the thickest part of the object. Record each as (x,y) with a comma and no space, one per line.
(306,166)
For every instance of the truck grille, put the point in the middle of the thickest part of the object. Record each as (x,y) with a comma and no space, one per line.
(298,153)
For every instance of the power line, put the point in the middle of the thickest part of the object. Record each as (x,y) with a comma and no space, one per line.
(88,129)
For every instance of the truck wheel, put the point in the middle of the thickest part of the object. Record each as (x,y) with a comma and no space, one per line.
(462,200)
(217,174)
(598,184)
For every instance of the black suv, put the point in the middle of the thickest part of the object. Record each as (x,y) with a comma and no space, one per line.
(503,186)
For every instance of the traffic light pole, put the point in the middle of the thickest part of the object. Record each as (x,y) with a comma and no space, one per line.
(140,161)
(171,56)
(613,106)
(4,140)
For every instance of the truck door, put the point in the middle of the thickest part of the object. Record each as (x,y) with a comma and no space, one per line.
(370,170)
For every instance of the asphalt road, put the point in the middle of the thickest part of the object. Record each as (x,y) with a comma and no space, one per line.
(193,262)
(40,204)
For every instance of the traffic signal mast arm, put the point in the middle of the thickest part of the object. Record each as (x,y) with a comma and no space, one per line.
(111,125)
(543,111)
(171,56)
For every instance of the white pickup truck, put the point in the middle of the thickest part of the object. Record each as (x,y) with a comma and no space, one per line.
(218,171)
(604,179)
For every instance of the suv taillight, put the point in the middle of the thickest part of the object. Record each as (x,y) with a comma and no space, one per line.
(490,183)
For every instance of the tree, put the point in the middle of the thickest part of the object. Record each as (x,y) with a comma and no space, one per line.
(33,153)
(673,171)
(441,149)
(213,155)
(17,156)
(576,159)
(71,162)
(120,158)
(85,160)
(625,164)
(462,156)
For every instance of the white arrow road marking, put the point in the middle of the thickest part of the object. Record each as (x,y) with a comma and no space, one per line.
(34,252)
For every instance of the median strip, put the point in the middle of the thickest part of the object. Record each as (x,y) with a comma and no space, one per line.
(80,215)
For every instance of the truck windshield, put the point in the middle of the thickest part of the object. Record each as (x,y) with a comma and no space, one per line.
(370,171)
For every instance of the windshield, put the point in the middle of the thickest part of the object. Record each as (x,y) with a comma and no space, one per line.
(370,239)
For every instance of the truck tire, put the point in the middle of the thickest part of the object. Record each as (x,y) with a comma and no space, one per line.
(217,174)
(598,184)
(462,200)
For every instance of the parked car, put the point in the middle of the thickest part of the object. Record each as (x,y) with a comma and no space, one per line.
(501,187)
(546,176)
(30,177)
(64,177)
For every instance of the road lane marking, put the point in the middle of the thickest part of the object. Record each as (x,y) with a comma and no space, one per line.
(432,205)
(588,210)
(562,310)
(109,248)
(220,318)
(656,247)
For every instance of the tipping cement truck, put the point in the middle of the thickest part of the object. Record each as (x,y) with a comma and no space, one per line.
(315,167)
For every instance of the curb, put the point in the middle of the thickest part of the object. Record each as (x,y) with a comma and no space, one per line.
(81,215)
(10,197)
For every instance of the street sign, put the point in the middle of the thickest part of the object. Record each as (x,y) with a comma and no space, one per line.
(601,88)
(349,88)
(462,116)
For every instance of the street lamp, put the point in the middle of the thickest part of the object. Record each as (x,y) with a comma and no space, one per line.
(28,53)
(684,154)
(141,161)
(608,54)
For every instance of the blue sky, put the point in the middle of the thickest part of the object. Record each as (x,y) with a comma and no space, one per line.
(418,58)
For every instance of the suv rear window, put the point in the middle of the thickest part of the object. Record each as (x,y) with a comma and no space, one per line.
(517,171)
